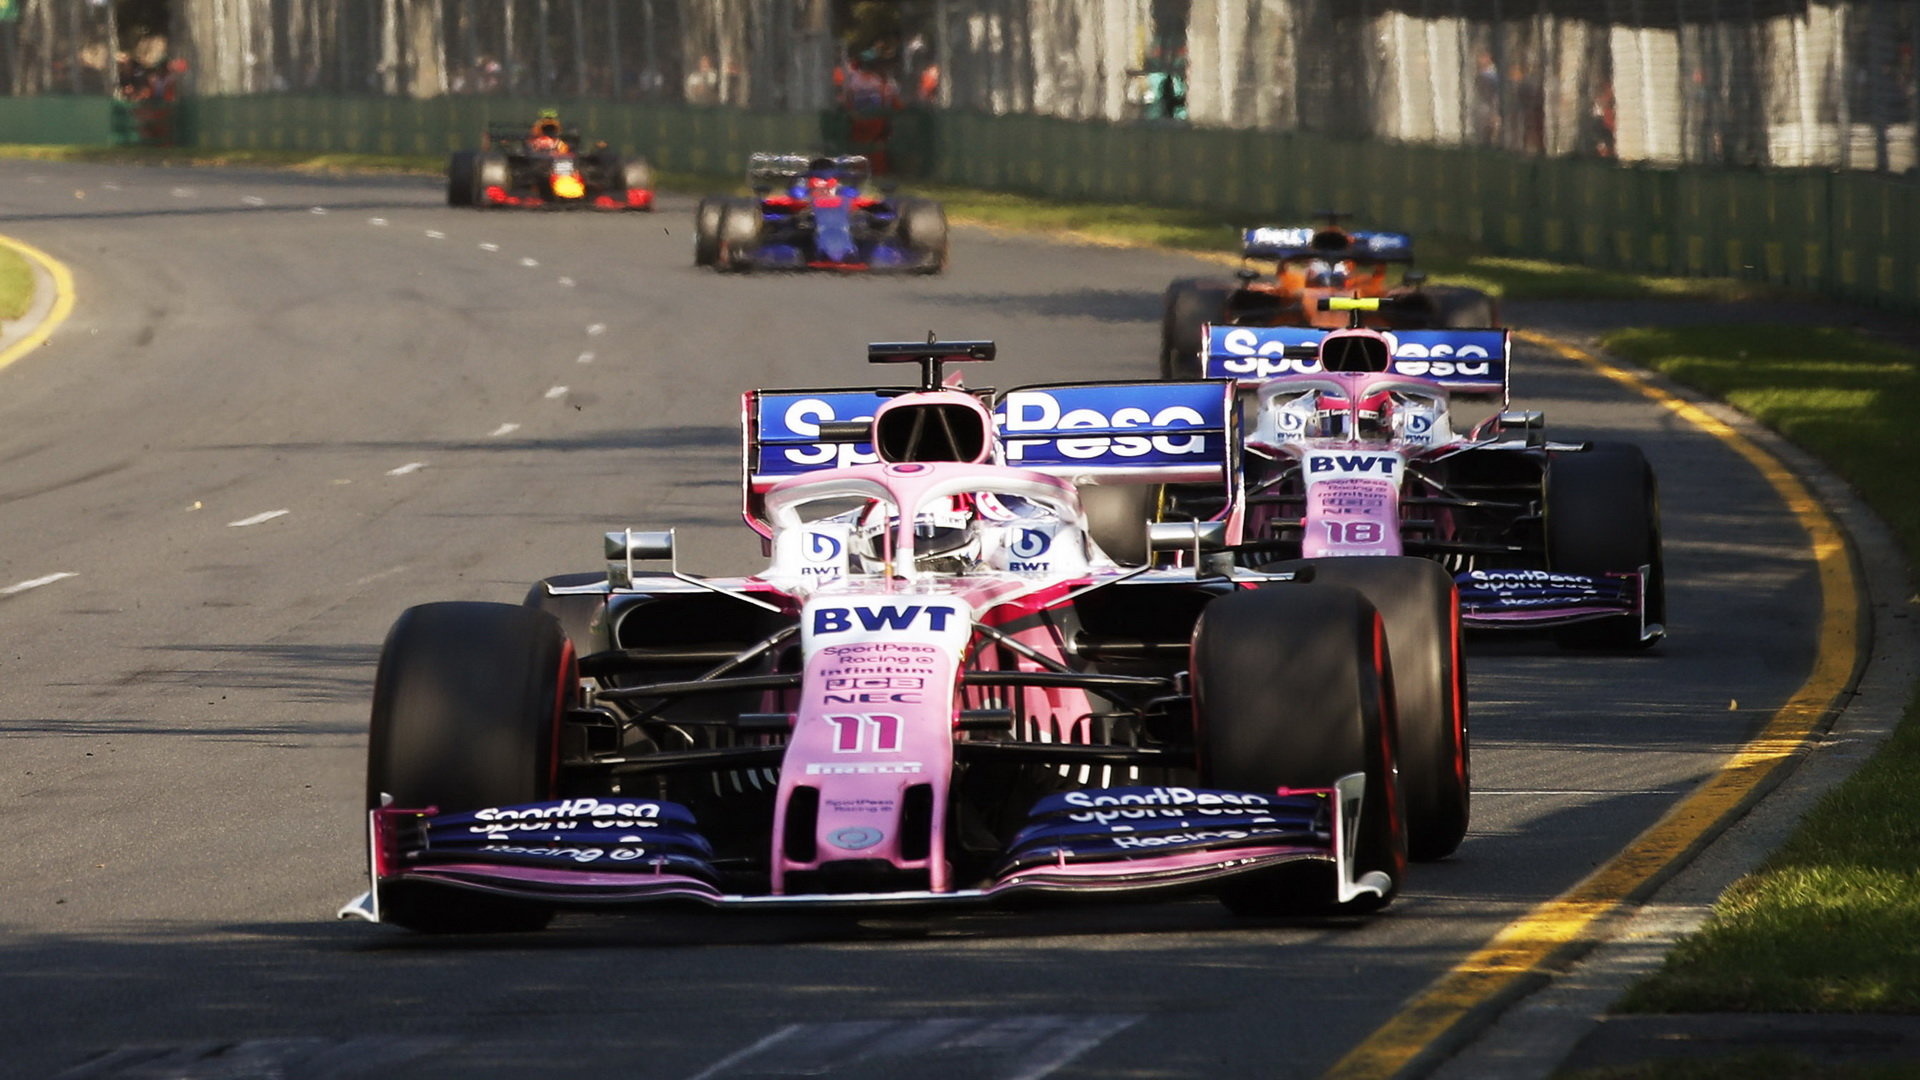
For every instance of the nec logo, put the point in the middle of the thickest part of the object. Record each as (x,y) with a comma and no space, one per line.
(1032,411)
(1353,464)
(839,620)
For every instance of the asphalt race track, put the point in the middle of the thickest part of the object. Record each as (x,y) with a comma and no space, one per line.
(286,408)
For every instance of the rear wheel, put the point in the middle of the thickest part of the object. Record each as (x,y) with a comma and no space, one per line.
(1188,305)
(462,176)
(740,223)
(1291,689)
(466,713)
(1420,607)
(1460,308)
(1603,516)
(1117,518)
(923,226)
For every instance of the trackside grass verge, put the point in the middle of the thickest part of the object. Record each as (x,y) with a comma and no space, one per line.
(1446,260)
(1828,923)
(1748,1067)
(16,284)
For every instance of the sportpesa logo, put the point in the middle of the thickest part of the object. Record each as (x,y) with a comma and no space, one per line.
(1029,415)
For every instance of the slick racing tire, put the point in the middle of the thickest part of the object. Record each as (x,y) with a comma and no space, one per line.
(740,224)
(1291,689)
(1420,606)
(635,175)
(1456,308)
(582,616)
(466,710)
(1603,516)
(923,226)
(462,178)
(491,170)
(706,230)
(1117,519)
(1188,305)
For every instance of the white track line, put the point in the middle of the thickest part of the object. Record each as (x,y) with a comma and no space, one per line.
(409,467)
(320,210)
(555,393)
(436,234)
(584,358)
(596,329)
(253,200)
(529,263)
(566,283)
(504,429)
(489,247)
(34,583)
(376,221)
(257,519)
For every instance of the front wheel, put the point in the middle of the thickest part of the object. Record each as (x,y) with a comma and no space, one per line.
(923,226)
(462,178)
(466,712)
(1291,689)
(740,224)
(1603,516)
(1420,606)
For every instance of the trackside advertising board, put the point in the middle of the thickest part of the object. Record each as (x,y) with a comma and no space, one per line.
(1466,361)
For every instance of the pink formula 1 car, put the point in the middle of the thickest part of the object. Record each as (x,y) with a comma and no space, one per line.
(1361,445)
(943,688)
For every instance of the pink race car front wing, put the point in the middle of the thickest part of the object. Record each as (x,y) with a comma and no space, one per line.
(610,852)
(1503,599)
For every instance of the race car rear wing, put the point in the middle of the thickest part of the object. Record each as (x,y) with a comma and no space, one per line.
(779,170)
(1100,433)
(1463,361)
(1288,242)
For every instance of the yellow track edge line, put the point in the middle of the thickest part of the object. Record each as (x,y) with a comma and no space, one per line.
(1526,953)
(62,300)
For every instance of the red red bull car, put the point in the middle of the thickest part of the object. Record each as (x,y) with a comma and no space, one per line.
(941,690)
(548,167)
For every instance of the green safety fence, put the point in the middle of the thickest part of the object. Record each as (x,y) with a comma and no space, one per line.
(1845,234)
(1849,235)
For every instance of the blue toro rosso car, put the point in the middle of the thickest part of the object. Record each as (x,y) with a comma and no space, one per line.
(818,213)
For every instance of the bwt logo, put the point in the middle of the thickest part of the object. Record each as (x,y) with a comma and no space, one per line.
(804,418)
(822,547)
(1032,543)
(1035,412)
(839,620)
(1363,464)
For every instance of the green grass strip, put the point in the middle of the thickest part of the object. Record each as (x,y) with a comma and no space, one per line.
(1831,922)
(1771,1066)
(16,283)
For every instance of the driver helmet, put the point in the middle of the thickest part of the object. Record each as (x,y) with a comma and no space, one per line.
(1367,419)
(945,541)
(1329,273)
